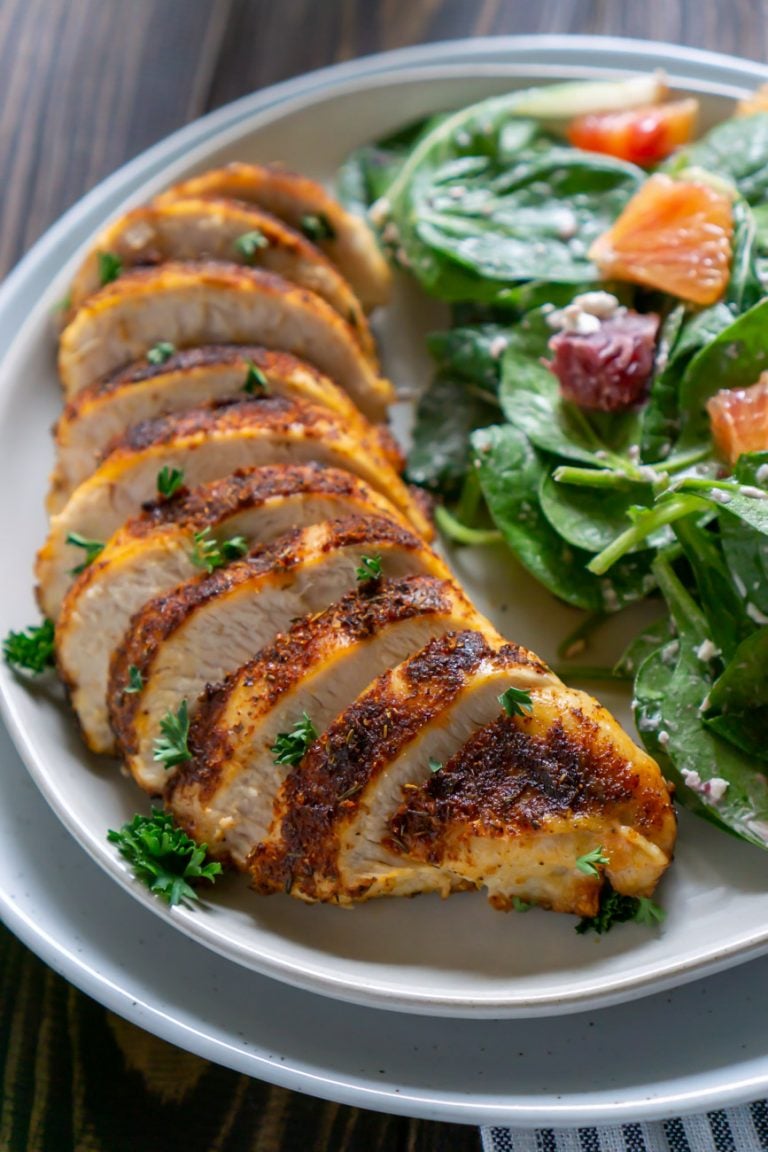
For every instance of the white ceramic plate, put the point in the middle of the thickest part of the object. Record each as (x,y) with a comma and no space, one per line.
(453,958)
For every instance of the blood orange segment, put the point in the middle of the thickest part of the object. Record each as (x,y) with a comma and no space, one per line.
(673,235)
(641,135)
(739,419)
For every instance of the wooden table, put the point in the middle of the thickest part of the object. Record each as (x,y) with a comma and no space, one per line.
(87,84)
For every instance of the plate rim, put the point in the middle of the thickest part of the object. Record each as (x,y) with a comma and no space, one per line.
(215,130)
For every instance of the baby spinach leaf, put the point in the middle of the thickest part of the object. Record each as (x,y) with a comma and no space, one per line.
(727,620)
(592,518)
(470,352)
(738,700)
(737,149)
(447,413)
(745,549)
(510,470)
(646,642)
(744,286)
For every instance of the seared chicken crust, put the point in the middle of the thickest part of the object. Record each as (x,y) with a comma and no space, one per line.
(349,243)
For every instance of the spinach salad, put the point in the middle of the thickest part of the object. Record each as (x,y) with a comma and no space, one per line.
(495,210)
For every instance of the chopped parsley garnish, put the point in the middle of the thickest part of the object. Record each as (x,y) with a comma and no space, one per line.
(249,243)
(110,267)
(521,905)
(370,569)
(31,649)
(92,549)
(135,681)
(434,765)
(616,909)
(255,380)
(172,749)
(208,553)
(163,857)
(160,352)
(169,480)
(290,747)
(589,861)
(316,226)
(516,702)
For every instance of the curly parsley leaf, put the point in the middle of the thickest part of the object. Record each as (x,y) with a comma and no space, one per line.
(135,681)
(370,569)
(516,702)
(169,481)
(588,863)
(160,352)
(290,747)
(172,747)
(317,226)
(250,243)
(92,548)
(163,857)
(31,649)
(256,382)
(617,909)
(110,267)
(211,554)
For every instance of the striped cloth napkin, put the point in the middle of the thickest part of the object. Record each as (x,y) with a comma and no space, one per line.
(743,1129)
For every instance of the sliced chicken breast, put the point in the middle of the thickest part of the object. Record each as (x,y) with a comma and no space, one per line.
(206,444)
(209,627)
(529,796)
(332,813)
(185,305)
(157,550)
(224,795)
(306,206)
(218,230)
(145,391)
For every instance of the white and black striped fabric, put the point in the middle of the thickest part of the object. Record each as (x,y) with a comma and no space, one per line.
(743,1129)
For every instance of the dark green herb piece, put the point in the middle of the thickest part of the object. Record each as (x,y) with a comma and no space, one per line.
(616,909)
(160,352)
(434,765)
(516,701)
(208,553)
(521,905)
(163,857)
(317,226)
(250,243)
(172,748)
(110,267)
(92,549)
(135,681)
(291,747)
(737,705)
(255,380)
(369,569)
(32,649)
(588,863)
(169,481)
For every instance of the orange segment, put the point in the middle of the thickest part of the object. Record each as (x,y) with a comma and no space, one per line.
(673,235)
(739,419)
(641,135)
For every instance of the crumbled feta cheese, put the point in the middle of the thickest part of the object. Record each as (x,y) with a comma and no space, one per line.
(753,493)
(713,789)
(755,614)
(707,651)
(602,304)
(692,779)
(497,346)
(720,496)
(716,788)
(663,738)
(762,474)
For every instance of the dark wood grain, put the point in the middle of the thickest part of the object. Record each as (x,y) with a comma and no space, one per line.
(86,85)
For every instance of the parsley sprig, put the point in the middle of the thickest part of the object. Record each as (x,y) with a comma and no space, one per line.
(92,548)
(110,267)
(290,747)
(172,748)
(135,681)
(434,764)
(163,857)
(211,554)
(370,569)
(317,226)
(617,909)
(169,481)
(31,649)
(256,382)
(516,702)
(588,863)
(160,352)
(250,243)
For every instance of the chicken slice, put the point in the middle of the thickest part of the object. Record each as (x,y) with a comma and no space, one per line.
(530,795)
(108,408)
(332,813)
(157,550)
(219,230)
(185,305)
(224,795)
(206,444)
(209,627)
(306,206)
(426,783)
